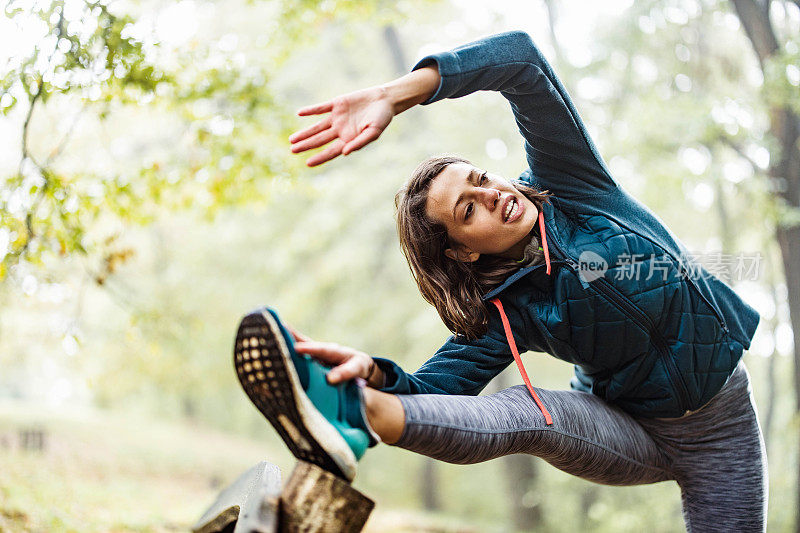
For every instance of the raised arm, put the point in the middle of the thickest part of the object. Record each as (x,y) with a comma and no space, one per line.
(560,152)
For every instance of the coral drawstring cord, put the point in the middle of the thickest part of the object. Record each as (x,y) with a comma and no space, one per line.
(544,242)
(513,346)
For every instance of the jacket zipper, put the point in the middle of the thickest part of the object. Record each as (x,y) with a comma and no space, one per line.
(721,320)
(636,314)
(630,309)
(685,275)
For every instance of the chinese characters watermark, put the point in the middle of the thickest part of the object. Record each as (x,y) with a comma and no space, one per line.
(727,267)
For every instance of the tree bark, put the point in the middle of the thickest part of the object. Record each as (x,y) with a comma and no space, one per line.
(784,172)
(316,501)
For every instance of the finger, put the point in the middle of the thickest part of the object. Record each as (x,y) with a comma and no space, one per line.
(308,132)
(320,139)
(369,134)
(298,337)
(352,368)
(333,150)
(326,352)
(315,109)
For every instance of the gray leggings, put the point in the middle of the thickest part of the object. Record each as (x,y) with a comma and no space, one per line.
(716,454)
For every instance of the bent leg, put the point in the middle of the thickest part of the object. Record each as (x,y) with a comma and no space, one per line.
(588,438)
(720,460)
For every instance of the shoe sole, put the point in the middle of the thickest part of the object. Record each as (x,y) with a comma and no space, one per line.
(265,369)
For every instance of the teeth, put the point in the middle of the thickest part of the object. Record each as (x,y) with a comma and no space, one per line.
(511,210)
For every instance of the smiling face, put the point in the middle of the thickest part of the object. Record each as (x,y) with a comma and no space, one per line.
(483,213)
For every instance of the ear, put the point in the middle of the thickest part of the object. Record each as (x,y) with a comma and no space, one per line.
(463,254)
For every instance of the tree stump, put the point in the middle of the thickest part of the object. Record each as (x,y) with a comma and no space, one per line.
(313,501)
(316,501)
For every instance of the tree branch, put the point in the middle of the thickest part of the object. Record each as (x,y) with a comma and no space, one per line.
(39,90)
(63,142)
(552,17)
(25,150)
(740,151)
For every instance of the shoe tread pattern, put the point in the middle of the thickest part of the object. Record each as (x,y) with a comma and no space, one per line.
(261,367)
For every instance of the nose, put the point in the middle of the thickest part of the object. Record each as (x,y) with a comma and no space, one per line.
(490,198)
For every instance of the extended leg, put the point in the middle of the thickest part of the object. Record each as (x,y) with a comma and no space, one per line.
(385,414)
(588,438)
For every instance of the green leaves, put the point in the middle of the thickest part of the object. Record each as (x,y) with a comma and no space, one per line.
(83,51)
(120,120)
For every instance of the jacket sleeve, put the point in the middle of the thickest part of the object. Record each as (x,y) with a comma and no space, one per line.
(460,366)
(560,153)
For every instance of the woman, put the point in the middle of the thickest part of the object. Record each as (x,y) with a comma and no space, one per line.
(561,261)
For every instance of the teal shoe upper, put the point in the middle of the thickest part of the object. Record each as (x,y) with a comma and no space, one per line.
(339,404)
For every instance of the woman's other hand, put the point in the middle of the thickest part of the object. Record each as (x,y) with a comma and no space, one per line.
(354,120)
(347,363)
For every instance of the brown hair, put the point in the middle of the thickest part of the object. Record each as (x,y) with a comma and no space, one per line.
(453,287)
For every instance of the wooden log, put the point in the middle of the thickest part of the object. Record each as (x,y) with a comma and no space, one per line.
(316,501)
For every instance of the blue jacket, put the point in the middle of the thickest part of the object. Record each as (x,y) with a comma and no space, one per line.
(645,326)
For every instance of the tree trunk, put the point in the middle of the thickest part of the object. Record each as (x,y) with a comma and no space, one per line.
(396,51)
(430,486)
(773,357)
(521,474)
(785,174)
(788,238)
(589,497)
(768,416)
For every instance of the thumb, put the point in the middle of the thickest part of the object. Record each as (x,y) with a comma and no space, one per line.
(350,369)
(367,135)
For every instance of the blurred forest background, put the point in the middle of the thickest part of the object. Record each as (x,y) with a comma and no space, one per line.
(148,199)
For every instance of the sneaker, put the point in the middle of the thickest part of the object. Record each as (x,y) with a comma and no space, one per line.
(321,423)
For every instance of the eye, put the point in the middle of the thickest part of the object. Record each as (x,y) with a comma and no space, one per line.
(481,179)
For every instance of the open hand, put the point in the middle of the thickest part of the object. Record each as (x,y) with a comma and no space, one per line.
(354,120)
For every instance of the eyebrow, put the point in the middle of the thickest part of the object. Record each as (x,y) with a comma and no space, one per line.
(470,177)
